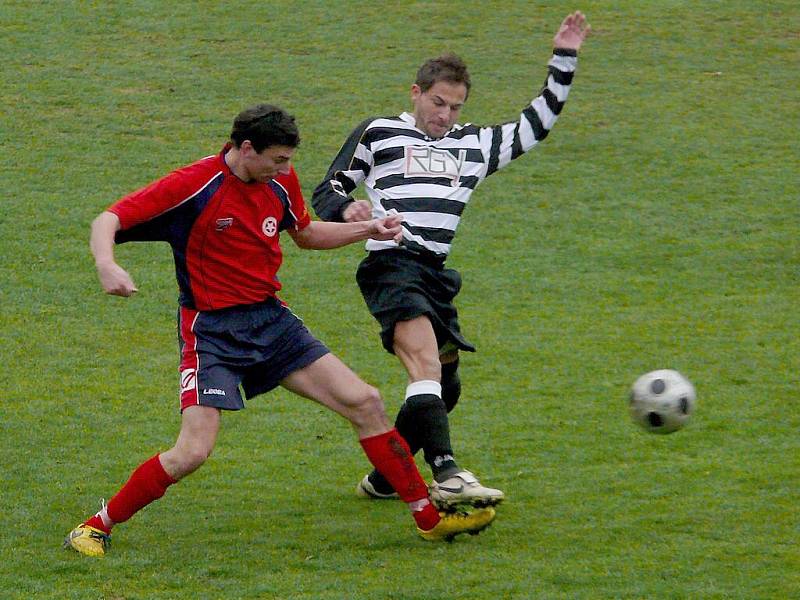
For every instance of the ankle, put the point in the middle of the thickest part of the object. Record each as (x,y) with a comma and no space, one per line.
(98,523)
(445,469)
(379,483)
(427,517)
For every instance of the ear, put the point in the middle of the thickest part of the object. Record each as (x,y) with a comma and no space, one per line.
(246,147)
(416,92)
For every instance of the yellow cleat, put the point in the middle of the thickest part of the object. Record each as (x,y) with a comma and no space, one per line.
(88,540)
(453,524)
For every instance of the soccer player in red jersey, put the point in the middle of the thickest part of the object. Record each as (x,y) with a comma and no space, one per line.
(222,216)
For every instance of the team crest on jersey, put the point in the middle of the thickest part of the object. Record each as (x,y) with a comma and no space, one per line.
(188,380)
(223,224)
(270,226)
(424,161)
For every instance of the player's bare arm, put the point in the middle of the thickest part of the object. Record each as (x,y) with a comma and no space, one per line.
(573,31)
(323,235)
(113,278)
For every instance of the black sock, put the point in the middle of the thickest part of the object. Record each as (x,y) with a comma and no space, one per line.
(451,384)
(422,421)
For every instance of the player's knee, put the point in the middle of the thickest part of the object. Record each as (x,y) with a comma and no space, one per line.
(451,385)
(191,457)
(368,409)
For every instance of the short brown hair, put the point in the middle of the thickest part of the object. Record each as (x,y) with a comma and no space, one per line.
(265,125)
(445,67)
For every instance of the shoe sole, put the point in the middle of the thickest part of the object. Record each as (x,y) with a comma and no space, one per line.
(460,504)
(476,529)
(449,539)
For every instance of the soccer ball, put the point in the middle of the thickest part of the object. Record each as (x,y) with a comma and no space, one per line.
(662,401)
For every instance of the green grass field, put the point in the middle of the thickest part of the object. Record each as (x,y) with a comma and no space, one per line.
(657,227)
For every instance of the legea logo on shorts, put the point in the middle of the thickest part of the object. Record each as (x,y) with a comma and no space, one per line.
(188,380)
(270,226)
(213,392)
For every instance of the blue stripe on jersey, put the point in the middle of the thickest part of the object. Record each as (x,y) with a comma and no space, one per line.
(289,218)
(175,227)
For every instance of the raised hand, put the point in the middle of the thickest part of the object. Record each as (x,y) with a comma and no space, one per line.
(574,29)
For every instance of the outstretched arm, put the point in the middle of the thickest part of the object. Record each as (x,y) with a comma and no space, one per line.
(319,235)
(503,143)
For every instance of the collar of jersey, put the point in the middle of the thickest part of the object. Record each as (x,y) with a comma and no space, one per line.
(409,118)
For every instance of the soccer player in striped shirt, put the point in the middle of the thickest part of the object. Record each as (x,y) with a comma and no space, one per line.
(222,216)
(425,167)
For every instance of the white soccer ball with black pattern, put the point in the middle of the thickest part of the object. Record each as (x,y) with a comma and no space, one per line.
(662,401)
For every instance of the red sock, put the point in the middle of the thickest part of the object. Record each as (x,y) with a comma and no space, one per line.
(97,523)
(147,483)
(390,455)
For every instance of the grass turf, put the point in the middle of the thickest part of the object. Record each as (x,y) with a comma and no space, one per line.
(656,227)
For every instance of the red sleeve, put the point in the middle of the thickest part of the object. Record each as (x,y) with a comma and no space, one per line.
(158,197)
(296,201)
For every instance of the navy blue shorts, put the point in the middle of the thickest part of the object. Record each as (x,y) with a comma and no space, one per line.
(255,346)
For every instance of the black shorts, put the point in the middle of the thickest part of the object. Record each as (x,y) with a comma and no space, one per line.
(255,346)
(399,285)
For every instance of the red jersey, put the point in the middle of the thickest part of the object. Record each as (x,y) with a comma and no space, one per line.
(224,232)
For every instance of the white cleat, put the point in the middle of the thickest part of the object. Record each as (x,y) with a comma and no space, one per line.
(461,489)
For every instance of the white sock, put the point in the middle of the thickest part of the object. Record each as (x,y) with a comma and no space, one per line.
(103,514)
(425,386)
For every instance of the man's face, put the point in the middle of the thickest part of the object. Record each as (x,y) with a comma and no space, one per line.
(438,109)
(268,164)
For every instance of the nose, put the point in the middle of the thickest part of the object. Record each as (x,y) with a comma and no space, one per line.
(446,117)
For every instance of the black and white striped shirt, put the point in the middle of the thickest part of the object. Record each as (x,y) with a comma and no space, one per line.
(429,181)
